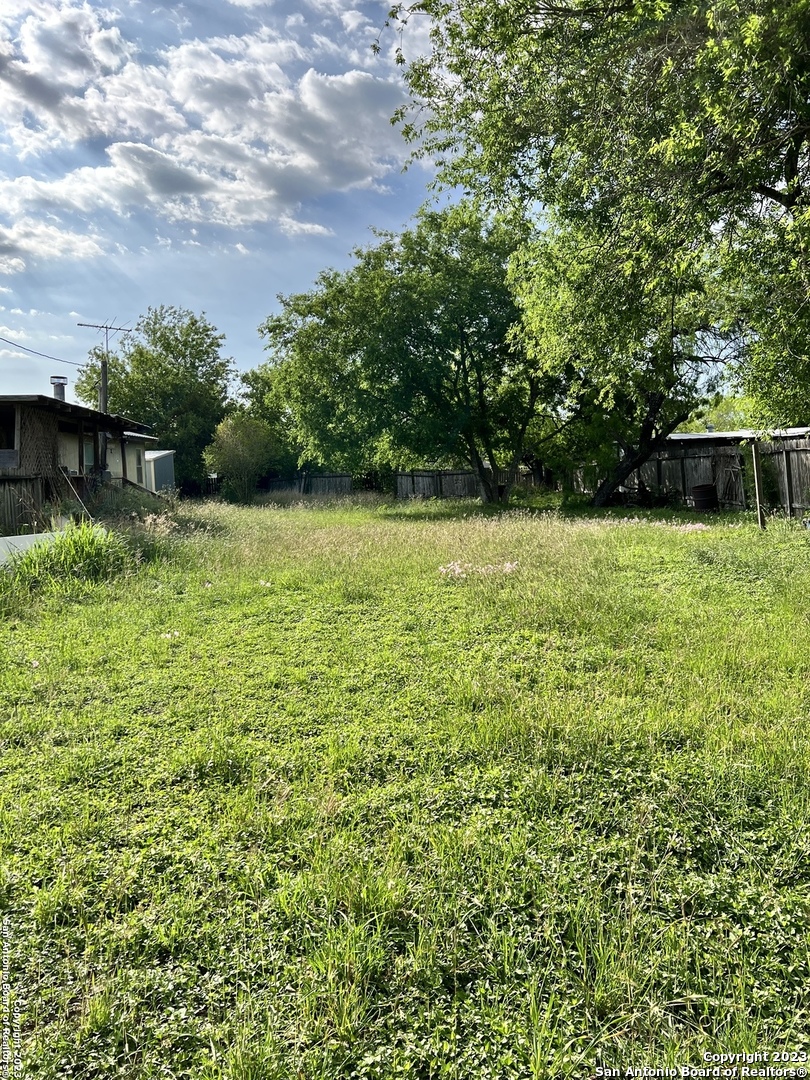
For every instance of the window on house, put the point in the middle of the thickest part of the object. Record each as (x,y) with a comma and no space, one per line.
(139,466)
(89,454)
(8,427)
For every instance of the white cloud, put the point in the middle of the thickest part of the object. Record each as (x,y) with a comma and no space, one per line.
(328,133)
(290,227)
(70,44)
(29,237)
(230,130)
(11,264)
(354,20)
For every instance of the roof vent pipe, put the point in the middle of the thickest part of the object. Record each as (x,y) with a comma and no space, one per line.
(58,382)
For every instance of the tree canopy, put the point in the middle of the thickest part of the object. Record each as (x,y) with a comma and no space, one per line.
(170,374)
(668,126)
(636,353)
(411,355)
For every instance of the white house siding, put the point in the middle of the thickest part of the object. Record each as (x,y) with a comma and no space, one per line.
(114,464)
(69,451)
(135,454)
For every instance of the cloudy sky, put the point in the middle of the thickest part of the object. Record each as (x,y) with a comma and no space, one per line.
(207,155)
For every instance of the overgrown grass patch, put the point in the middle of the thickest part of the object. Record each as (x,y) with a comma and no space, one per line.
(79,555)
(300,804)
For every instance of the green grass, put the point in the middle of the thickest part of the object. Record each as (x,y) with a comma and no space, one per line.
(80,554)
(290,801)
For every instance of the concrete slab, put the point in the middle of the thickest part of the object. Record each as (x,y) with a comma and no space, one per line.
(8,544)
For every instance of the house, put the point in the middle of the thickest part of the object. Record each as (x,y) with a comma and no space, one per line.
(52,450)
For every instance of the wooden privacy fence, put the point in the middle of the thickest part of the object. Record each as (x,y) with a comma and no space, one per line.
(21,500)
(789,461)
(314,484)
(448,483)
(725,464)
(436,484)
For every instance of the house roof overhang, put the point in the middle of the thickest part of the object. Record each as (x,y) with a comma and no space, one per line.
(77,412)
(138,436)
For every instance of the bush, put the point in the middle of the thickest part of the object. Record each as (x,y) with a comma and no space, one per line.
(83,553)
(243,449)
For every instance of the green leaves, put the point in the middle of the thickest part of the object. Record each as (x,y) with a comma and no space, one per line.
(243,449)
(671,129)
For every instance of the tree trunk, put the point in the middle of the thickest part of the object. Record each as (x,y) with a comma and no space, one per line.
(487,489)
(625,468)
(632,459)
(652,436)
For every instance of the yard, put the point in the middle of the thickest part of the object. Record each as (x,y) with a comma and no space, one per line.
(377,791)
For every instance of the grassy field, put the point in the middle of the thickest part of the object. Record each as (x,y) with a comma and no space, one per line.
(409,791)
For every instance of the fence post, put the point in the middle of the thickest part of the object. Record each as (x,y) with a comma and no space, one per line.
(757,463)
(741,466)
(788,479)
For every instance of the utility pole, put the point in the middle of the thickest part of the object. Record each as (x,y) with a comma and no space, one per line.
(102,386)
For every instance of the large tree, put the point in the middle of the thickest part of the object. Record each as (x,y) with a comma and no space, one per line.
(658,121)
(410,357)
(636,351)
(169,373)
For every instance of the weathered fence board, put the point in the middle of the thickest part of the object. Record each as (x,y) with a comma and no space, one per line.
(436,484)
(331,484)
(308,484)
(449,483)
(789,461)
(20,503)
(678,469)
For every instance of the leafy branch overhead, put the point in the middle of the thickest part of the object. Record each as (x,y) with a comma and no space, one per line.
(670,129)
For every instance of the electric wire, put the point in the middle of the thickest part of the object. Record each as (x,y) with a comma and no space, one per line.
(45,356)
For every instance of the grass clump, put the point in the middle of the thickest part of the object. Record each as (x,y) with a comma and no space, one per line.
(115,504)
(81,554)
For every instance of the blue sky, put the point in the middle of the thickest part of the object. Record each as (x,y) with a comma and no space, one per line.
(206,155)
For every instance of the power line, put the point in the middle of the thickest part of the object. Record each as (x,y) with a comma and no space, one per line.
(45,356)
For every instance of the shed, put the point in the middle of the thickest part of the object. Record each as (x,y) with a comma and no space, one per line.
(160,469)
(717,458)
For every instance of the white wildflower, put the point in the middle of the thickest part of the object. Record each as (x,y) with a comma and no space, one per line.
(463,570)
